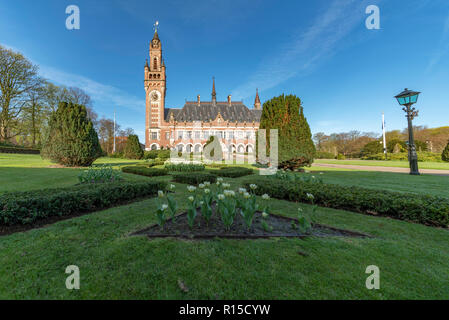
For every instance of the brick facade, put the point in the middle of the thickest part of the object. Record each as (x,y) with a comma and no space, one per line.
(189,128)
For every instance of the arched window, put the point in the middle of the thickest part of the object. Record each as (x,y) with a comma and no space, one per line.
(155,63)
(151,76)
(158,76)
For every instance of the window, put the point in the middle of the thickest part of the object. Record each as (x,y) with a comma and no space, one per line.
(189,134)
(197,134)
(155,63)
(206,135)
(240,134)
(153,135)
(180,134)
(167,135)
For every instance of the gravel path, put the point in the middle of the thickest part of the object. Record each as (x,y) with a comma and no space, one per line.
(381,169)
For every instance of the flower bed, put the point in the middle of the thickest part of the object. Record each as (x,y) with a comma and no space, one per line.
(281,227)
(217,211)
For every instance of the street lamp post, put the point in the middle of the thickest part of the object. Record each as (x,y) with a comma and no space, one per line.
(406,99)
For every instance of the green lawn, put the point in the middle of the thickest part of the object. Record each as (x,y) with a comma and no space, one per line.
(413,259)
(35,161)
(30,172)
(389,163)
(423,184)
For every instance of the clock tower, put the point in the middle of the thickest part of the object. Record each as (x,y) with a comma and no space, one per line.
(155,90)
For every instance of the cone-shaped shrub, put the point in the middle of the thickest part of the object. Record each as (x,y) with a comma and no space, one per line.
(445,154)
(132,148)
(285,113)
(71,138)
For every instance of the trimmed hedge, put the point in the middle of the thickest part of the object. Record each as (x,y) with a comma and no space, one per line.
(157,154)
(155,162)
(144,171)
(403,156)
(324,155)
(184,167)
(424,209)
(194,178)
(232,172)
(19,150)
(27,207)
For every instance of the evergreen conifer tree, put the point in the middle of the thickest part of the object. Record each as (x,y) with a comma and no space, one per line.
(132,148)
(445,154)
(295,145)
(71,138)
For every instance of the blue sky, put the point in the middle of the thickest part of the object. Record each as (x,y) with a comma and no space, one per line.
(320,50)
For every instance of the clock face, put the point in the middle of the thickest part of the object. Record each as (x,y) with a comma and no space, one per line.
(155,96)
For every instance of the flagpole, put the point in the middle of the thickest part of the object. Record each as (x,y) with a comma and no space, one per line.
(384,138)
(113,151)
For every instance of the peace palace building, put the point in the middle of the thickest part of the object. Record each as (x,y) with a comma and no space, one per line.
(188,129)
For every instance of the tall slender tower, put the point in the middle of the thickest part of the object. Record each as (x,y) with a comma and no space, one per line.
(257,104)
(214,93)
(155,89)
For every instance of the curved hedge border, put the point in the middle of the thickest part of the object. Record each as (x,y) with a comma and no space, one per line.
(19,150)
(194,178)
(144,171)
(27,207)
(424,209)
(232,172)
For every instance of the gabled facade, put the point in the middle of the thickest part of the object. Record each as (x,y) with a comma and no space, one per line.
(189,128)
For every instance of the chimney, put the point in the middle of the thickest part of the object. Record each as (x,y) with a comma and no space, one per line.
(199,99)
(229,100)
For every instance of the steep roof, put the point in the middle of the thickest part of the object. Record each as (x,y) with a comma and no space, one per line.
(207,111)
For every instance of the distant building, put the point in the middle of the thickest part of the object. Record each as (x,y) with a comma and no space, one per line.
(189,128)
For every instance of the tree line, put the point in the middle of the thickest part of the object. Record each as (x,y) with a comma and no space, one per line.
(356,144)
(27,102)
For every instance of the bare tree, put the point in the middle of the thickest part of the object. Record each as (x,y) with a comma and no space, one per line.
(319,138)
(18,77)
(34,114)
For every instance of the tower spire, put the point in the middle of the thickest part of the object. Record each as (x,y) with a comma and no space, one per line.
(257,101)
(214,93)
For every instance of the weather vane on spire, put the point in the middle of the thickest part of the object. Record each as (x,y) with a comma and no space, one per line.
(156,25)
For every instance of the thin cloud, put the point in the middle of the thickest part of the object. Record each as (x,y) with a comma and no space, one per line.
(443,47)
(104,94)
(308,48)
